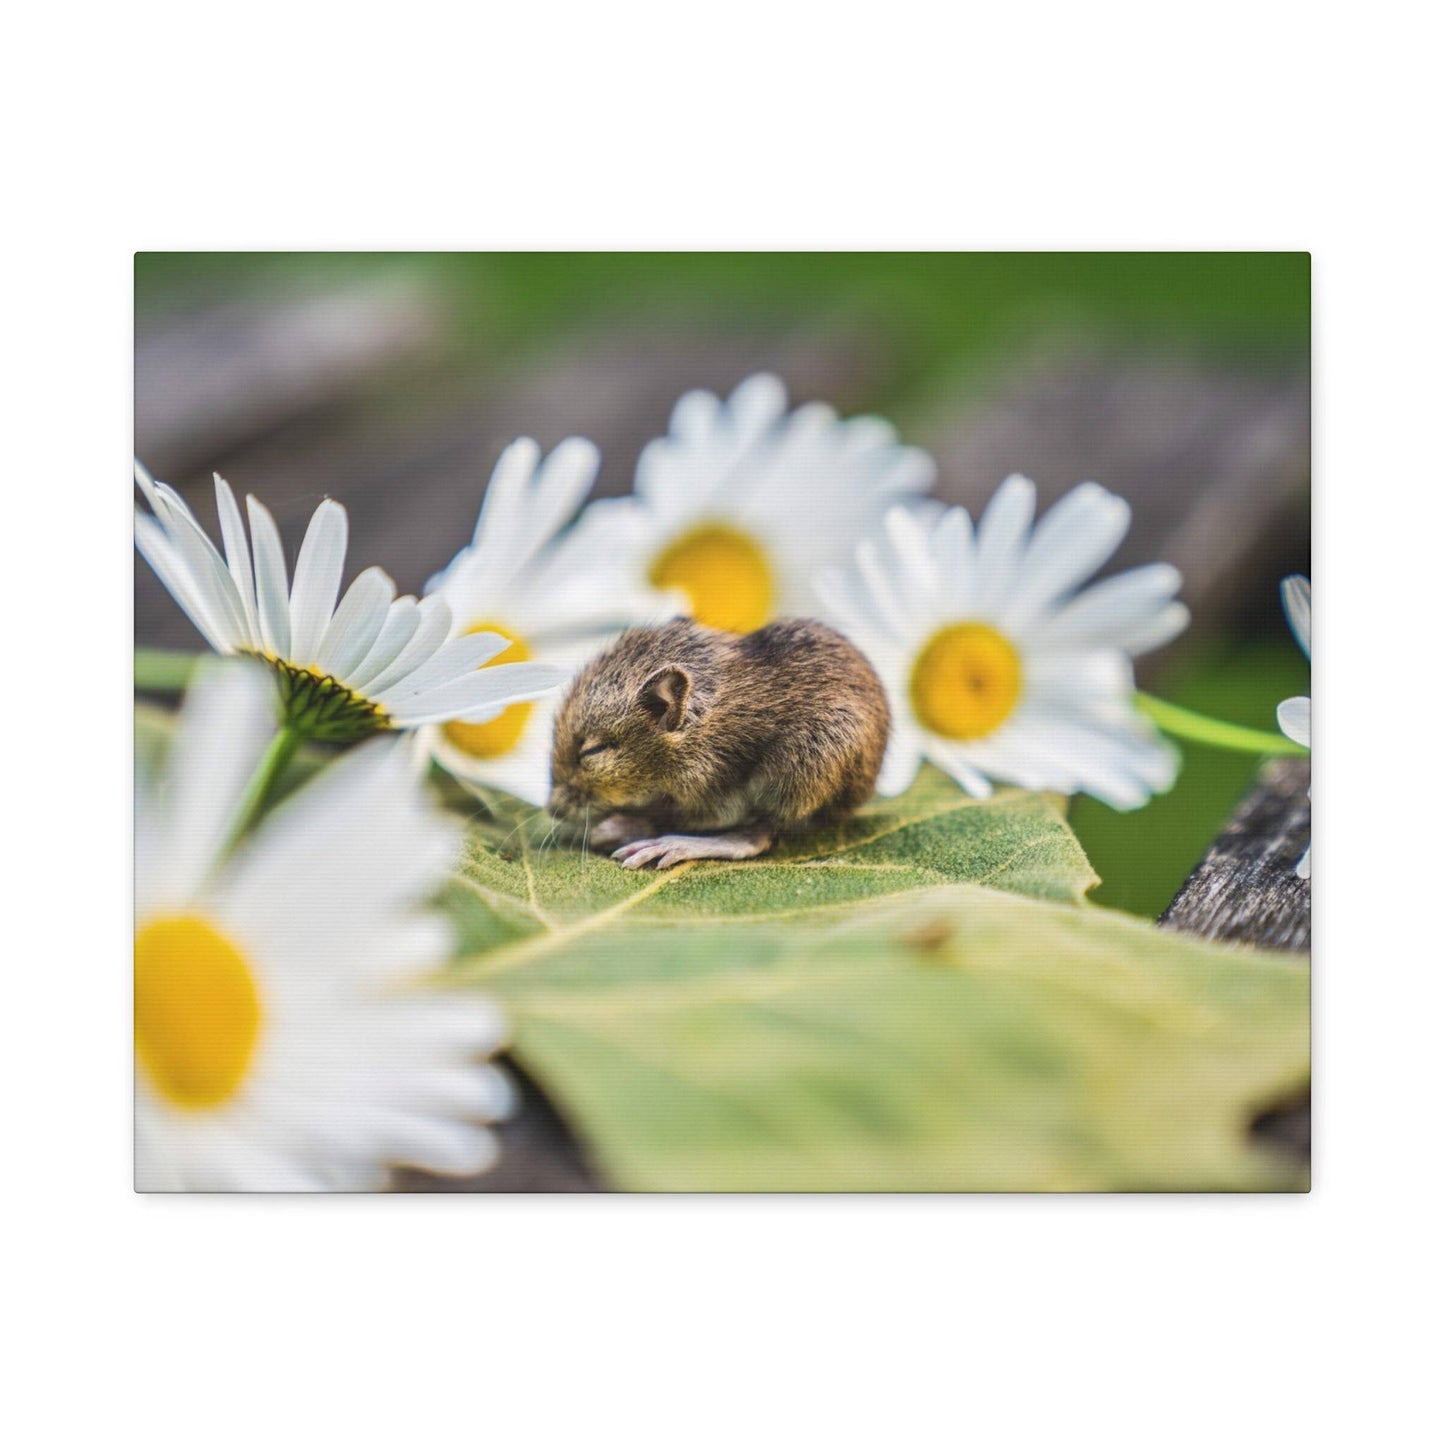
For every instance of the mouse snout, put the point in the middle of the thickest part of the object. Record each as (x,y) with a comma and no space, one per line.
(565,800)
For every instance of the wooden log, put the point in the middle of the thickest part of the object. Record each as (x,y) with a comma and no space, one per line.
(1246,889)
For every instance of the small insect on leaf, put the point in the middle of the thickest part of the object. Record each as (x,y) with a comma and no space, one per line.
(930,936)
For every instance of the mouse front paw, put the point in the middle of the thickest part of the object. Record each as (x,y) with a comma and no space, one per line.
(674,848)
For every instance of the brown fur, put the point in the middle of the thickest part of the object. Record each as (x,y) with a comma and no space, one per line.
(705,731)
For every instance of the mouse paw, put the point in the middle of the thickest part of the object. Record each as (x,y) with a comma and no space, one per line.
(674,848)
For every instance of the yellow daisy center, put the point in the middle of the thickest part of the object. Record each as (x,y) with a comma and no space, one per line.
(725,573)
(966,681)
(197,1011)
(499,736)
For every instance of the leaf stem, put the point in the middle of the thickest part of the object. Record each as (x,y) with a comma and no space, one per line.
(263,780)
(1180,722)
(158,670)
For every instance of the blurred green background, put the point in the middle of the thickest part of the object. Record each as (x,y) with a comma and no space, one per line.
(942,315)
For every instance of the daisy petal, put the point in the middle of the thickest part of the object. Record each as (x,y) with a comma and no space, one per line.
(238,557)
(1152,632)
(835,589)
(953,760)
(356,624)
(155,546)
(318,580)
(557,491)
(451,660)
(1073,539)
(146,483)
(757,403)
(1121,611)
(434,622)
(1000,541)
(880,583)
(1296,592)
(901,762)
(502,506)
(1294,719)
(272,607)
(402,621)
(205,565)
(915,574)
(234,701)
(953,549)
(438,1146)
(694,415)
(490,687)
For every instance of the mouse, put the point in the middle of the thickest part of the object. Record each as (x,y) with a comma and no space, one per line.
(685,742)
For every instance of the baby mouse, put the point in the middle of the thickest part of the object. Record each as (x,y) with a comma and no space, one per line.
(684,742)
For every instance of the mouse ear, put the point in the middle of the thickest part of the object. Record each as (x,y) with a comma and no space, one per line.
(664,697)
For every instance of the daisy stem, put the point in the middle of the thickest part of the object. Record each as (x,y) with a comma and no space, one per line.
(157,670)
(263,780)
(1180,722)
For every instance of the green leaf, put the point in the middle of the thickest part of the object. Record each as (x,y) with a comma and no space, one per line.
(160,671)
(535,885)
(917,999)
(153,728)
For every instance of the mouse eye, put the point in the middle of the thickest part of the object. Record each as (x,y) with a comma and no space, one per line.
(590,747)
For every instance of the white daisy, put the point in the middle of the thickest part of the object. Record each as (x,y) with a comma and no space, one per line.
(739,505)
(996,664)
(374,661)
(277,1046)
(517,580)
(1294,712)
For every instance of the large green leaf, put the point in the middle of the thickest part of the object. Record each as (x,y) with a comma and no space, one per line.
(915,1000)
(918,999)
(532,884)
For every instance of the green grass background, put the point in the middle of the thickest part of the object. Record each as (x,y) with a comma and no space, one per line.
(941,315)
